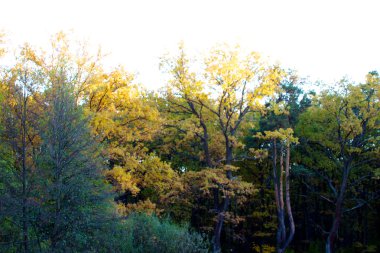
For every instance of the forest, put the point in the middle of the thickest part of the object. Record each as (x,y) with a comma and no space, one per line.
(231,154)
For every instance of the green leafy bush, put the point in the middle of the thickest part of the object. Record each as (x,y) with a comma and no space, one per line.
(150,234)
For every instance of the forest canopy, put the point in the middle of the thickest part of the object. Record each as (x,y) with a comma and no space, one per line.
(231,154)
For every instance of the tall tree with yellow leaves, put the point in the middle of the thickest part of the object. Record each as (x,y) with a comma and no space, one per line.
(239,84)
(344,122)
(184,97)
(230,87)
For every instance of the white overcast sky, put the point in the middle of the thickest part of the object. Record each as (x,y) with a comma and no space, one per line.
(321,39)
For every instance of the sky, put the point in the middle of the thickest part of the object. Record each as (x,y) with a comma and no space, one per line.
(323,40)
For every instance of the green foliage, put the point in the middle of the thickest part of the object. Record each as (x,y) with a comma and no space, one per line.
(71,198)
(150,234)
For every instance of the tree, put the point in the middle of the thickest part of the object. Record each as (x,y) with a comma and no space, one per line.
(44,166)
(73,200)
(344,123)
(184,108)
(239,86)
(233,87)
(281,112)
(282,138)
(20,137)
(125,120)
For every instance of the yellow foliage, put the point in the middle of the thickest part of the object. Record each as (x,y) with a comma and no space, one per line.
(284,135)
(155,174)
(122,180)
(264,248)
(343,114)
(145,206)
(202,182)
(259,153)
(119,110)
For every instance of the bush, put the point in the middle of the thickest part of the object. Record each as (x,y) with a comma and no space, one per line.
(150,234)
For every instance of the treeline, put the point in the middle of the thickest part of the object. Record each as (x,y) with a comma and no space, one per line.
(232,155)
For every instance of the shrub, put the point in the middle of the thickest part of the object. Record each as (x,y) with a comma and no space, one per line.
(150,234)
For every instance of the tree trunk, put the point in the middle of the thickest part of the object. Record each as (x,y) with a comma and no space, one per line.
(287,196)
(278,191)
(205,145)
(219,225)
(338,210)
(228,152)
(281,193)
(282,240)
(24,179)
(226,201)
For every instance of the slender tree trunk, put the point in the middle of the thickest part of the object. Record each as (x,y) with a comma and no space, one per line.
(276,193)
(281,193)
(338,212)
(24,178)
(282,240)
(205,137)
(226,201)
(219,225)
(206,149)
(278,189)
(228,152)
(287,196)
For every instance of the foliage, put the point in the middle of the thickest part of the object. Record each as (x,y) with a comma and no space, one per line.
(92,162)
(149,234)
(341,129)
